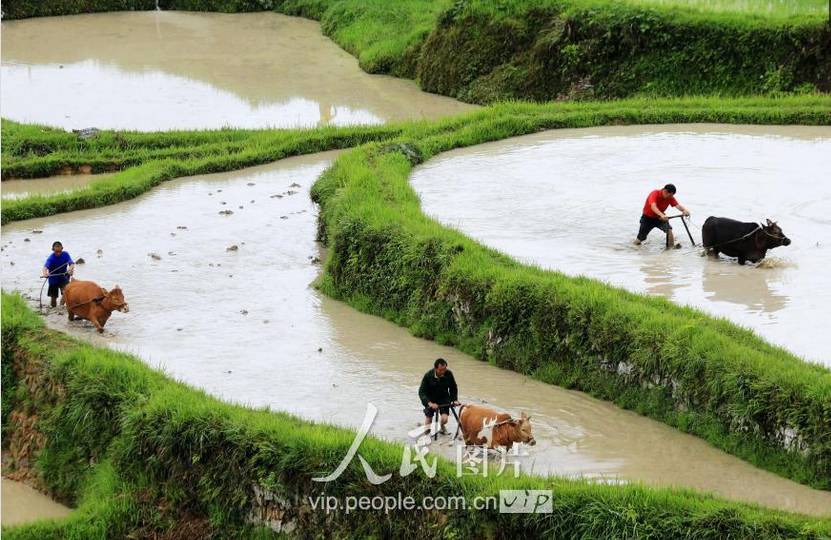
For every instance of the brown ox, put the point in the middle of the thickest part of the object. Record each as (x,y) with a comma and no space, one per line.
(87,300)
(486,427)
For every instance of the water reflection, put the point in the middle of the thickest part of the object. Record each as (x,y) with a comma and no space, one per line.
(756,288)
(16,189)
(166,70)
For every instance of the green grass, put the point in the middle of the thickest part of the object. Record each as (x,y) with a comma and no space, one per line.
(142,455)
(764,8)
(423,279)
(703,375)
(752,11)
(147,159)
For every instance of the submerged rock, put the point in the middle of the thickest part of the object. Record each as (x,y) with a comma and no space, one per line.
(86,133)
(232,248)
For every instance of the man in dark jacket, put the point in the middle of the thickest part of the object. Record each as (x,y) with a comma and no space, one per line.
(437,392)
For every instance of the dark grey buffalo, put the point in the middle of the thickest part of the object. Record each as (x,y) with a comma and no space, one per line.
(747,241)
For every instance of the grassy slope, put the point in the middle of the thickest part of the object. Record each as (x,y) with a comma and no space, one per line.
(486,50)
(143,454)
(804,406)
(773,9)
(146,159)
(677,365)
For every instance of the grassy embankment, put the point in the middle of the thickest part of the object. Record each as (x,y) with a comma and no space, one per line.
(760,403)
(147,159)
(677,365)
(141,455)
(484,50)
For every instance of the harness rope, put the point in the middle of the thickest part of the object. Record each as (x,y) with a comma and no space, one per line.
(754,231)
(46,280)
(97,299)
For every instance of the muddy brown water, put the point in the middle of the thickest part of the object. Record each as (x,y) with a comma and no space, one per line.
(23,504)
(160,70)
(570,200)
(246,326)
(20,188)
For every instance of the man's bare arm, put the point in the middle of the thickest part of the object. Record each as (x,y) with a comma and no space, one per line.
(658,212)
(683,210)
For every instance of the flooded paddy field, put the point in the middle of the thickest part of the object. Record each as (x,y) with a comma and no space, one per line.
(570,200)
(21,188)
(163,70)
(224,302)
(219,269)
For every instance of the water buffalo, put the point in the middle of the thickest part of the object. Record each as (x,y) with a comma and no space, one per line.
(486,427)
(747,241)
(87,300)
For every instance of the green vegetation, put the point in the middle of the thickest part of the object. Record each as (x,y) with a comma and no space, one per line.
(677,365)
(600,49)
(761,403)
(766,8)
(144,456)
(149,158)
(483,51)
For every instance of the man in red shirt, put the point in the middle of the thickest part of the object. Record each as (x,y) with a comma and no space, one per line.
(653,214)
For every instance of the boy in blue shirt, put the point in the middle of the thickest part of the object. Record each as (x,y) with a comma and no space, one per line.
(58,267)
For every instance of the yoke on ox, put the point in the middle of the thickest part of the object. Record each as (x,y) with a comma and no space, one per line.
(745,241)
(87,300)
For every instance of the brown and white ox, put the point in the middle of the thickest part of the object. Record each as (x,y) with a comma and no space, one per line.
(87,300)
(486,427)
